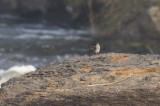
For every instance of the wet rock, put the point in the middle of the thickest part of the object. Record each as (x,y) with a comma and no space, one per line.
(105,79)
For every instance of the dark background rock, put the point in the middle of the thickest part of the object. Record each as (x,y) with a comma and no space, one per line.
(105,79)
(54,12)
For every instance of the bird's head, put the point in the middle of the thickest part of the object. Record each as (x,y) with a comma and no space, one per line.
(97,43)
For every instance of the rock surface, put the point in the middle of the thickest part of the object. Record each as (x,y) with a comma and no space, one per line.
(105,79)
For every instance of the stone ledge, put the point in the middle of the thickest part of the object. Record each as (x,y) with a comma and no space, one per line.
(105,79)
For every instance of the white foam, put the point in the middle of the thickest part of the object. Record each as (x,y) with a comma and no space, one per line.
(15,71)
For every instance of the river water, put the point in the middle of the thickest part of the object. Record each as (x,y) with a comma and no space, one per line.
(27,45)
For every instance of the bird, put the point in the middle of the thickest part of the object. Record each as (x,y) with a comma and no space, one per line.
(96,48)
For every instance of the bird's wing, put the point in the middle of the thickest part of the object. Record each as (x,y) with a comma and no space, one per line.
(91,48)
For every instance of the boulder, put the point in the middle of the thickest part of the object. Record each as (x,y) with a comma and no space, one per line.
(105,79)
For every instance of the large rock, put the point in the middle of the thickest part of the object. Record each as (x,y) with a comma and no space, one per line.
(154,13)
(105,79)
(129,20)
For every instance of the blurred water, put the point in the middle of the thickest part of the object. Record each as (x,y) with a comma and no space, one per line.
(38,44)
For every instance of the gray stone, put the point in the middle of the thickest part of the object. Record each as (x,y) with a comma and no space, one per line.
(105,79)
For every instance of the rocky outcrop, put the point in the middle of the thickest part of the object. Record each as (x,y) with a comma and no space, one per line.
(105,79)
(129,26)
